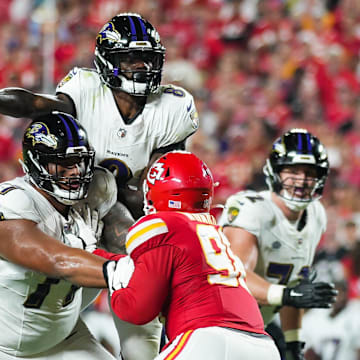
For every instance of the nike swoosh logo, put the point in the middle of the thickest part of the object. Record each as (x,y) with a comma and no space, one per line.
(294,293)
(189,107)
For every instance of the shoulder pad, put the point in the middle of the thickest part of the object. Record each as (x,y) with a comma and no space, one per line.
(182,118)
(68,77)
(15,202)
(246,209)
(143,230)
(102,193)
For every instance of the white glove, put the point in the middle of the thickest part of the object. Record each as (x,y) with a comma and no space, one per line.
(118,273)
(81,235)
(91,219)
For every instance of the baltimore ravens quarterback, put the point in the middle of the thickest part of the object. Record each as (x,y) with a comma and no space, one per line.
(43,265)
(131,119)
(275,233)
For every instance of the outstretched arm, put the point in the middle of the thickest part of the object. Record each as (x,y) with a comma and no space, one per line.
(19,102)
(306,294)
(244,245)
(23,243)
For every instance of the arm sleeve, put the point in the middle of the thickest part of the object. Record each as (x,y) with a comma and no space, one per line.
(142,300)
(182,121)
(241,210)
(16,204)
(107,255)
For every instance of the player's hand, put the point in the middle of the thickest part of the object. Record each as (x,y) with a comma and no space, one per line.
(92,220)
(118,273)
(295,350)
(308,294)
(82,237)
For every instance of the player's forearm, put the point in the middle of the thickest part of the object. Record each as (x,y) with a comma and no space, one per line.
(108,255)
(290,318)
(79,268)
(258,286)
(19,102)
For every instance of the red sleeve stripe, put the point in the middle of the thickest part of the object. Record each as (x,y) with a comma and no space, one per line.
(143,232)
(178,345)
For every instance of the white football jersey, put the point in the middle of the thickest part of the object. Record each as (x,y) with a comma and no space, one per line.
(284,252)
(333,338)
(168,117)
(36,312)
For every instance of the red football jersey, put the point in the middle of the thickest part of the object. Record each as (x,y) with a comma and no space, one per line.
(185,270)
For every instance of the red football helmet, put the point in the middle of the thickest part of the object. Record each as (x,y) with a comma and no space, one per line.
(178,181)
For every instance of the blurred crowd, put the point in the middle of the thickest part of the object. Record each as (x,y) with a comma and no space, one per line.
(255,67)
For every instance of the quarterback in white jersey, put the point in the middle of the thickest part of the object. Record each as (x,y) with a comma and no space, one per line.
(125,148)
(276,232)
(333,334)
(43,266)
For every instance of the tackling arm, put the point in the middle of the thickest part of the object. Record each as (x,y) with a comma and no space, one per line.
(306,294)
(142,300)
(19,102)
(244,245)
(23,243)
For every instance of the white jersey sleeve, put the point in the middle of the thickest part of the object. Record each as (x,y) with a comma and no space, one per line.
(15,203)
(246,210)
(71,85)
(182,118)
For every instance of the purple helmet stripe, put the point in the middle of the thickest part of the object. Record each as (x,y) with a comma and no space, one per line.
(299,143)
(68,131)
(309,146)
(80,139)
(145,35)
(133,29)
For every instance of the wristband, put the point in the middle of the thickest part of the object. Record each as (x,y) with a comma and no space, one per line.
(292,335)
(275,294)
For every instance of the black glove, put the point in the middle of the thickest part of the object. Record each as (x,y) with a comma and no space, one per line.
(295,350)
(307,294)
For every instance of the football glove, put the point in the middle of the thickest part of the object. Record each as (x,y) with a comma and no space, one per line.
(92,220)
(295,350)
(82,235)
(308,294)
(117,274)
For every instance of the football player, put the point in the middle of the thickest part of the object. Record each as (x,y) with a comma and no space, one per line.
(131,119)
(334,334)
(275,233)
(42,241)
(185,270)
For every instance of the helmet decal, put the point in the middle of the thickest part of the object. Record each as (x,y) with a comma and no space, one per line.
(108,32)
(155,173)
(39,133)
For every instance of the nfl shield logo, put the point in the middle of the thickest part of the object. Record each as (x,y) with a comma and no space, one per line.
(121,133)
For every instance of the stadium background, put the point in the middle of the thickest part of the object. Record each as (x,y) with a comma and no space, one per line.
(255,67)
